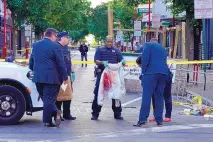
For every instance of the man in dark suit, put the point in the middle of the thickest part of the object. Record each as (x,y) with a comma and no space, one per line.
(83,49)
(154,75)
(49,69)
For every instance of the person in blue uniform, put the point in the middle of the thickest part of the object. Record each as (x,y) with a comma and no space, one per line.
(154,74)
(49,72)
(167,94)
(63,41)
(103,56)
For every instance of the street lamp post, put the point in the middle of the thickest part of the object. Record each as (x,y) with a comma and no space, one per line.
(5,30)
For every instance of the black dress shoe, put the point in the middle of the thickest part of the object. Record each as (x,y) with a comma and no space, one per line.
(62,119)
(160,124)
(139,124)
(94,118)
(70,118)
(119,118)
(58,118)
(49,125)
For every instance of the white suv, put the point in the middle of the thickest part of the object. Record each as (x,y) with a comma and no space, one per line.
(18,93)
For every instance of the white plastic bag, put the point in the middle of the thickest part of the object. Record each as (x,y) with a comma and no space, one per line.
(112,83)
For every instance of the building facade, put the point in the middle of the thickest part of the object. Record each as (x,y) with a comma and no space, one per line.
(9,35)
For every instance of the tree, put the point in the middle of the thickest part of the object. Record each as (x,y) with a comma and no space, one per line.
(71,16)
(136,2)
(98,22)
(31,11)
(125,14)
(179,6)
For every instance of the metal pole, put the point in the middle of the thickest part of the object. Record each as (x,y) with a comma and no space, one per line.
(149,36)
(5,30)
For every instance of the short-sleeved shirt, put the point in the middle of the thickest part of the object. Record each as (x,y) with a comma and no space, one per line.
(112,55)
(112,51)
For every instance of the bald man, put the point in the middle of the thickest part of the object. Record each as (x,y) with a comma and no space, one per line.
(103,56)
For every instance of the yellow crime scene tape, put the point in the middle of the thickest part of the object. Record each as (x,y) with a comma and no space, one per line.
(132,63)
(197,99)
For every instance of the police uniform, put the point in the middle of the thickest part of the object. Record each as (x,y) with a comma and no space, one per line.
(67,59)
(113,56)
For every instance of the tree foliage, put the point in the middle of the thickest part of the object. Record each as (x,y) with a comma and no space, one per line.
(136,2)
(98,22)
(31,10)
(179,6)
(61,14)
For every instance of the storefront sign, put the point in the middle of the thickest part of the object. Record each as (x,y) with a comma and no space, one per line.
(203,9)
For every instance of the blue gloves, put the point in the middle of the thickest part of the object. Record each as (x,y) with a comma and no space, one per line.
(73,76)
(105,63)
(123,62)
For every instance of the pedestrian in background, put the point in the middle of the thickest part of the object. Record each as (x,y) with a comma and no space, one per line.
(49,70)
(103,56)
(154,74)
(83,49)
(138,48)
(64,98)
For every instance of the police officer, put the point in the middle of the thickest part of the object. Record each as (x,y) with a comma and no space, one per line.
(63,40)
(154,75)
(103,56)
(47,64)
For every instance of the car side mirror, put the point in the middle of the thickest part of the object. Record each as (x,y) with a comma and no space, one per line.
(30,75)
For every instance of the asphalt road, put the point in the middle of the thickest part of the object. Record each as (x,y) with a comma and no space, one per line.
(106,129)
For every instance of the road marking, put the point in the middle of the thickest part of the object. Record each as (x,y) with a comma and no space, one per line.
(125,133)
(147,130)
(132,101)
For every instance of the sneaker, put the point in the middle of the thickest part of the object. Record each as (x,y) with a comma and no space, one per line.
(152,119)
(167,120)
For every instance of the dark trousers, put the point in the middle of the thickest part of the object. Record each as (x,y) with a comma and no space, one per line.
(167,97)
(66,107)
(84,56)
(152,84)
(97,108)
(48,94)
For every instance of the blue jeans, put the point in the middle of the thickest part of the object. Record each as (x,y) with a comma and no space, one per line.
(152,84)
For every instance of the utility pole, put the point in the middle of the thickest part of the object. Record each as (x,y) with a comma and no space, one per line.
(149,33)
(5,30)
(110,21)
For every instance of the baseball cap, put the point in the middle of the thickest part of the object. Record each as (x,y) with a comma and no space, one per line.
(62,34)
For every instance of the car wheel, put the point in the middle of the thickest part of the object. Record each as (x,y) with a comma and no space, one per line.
(12,105)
